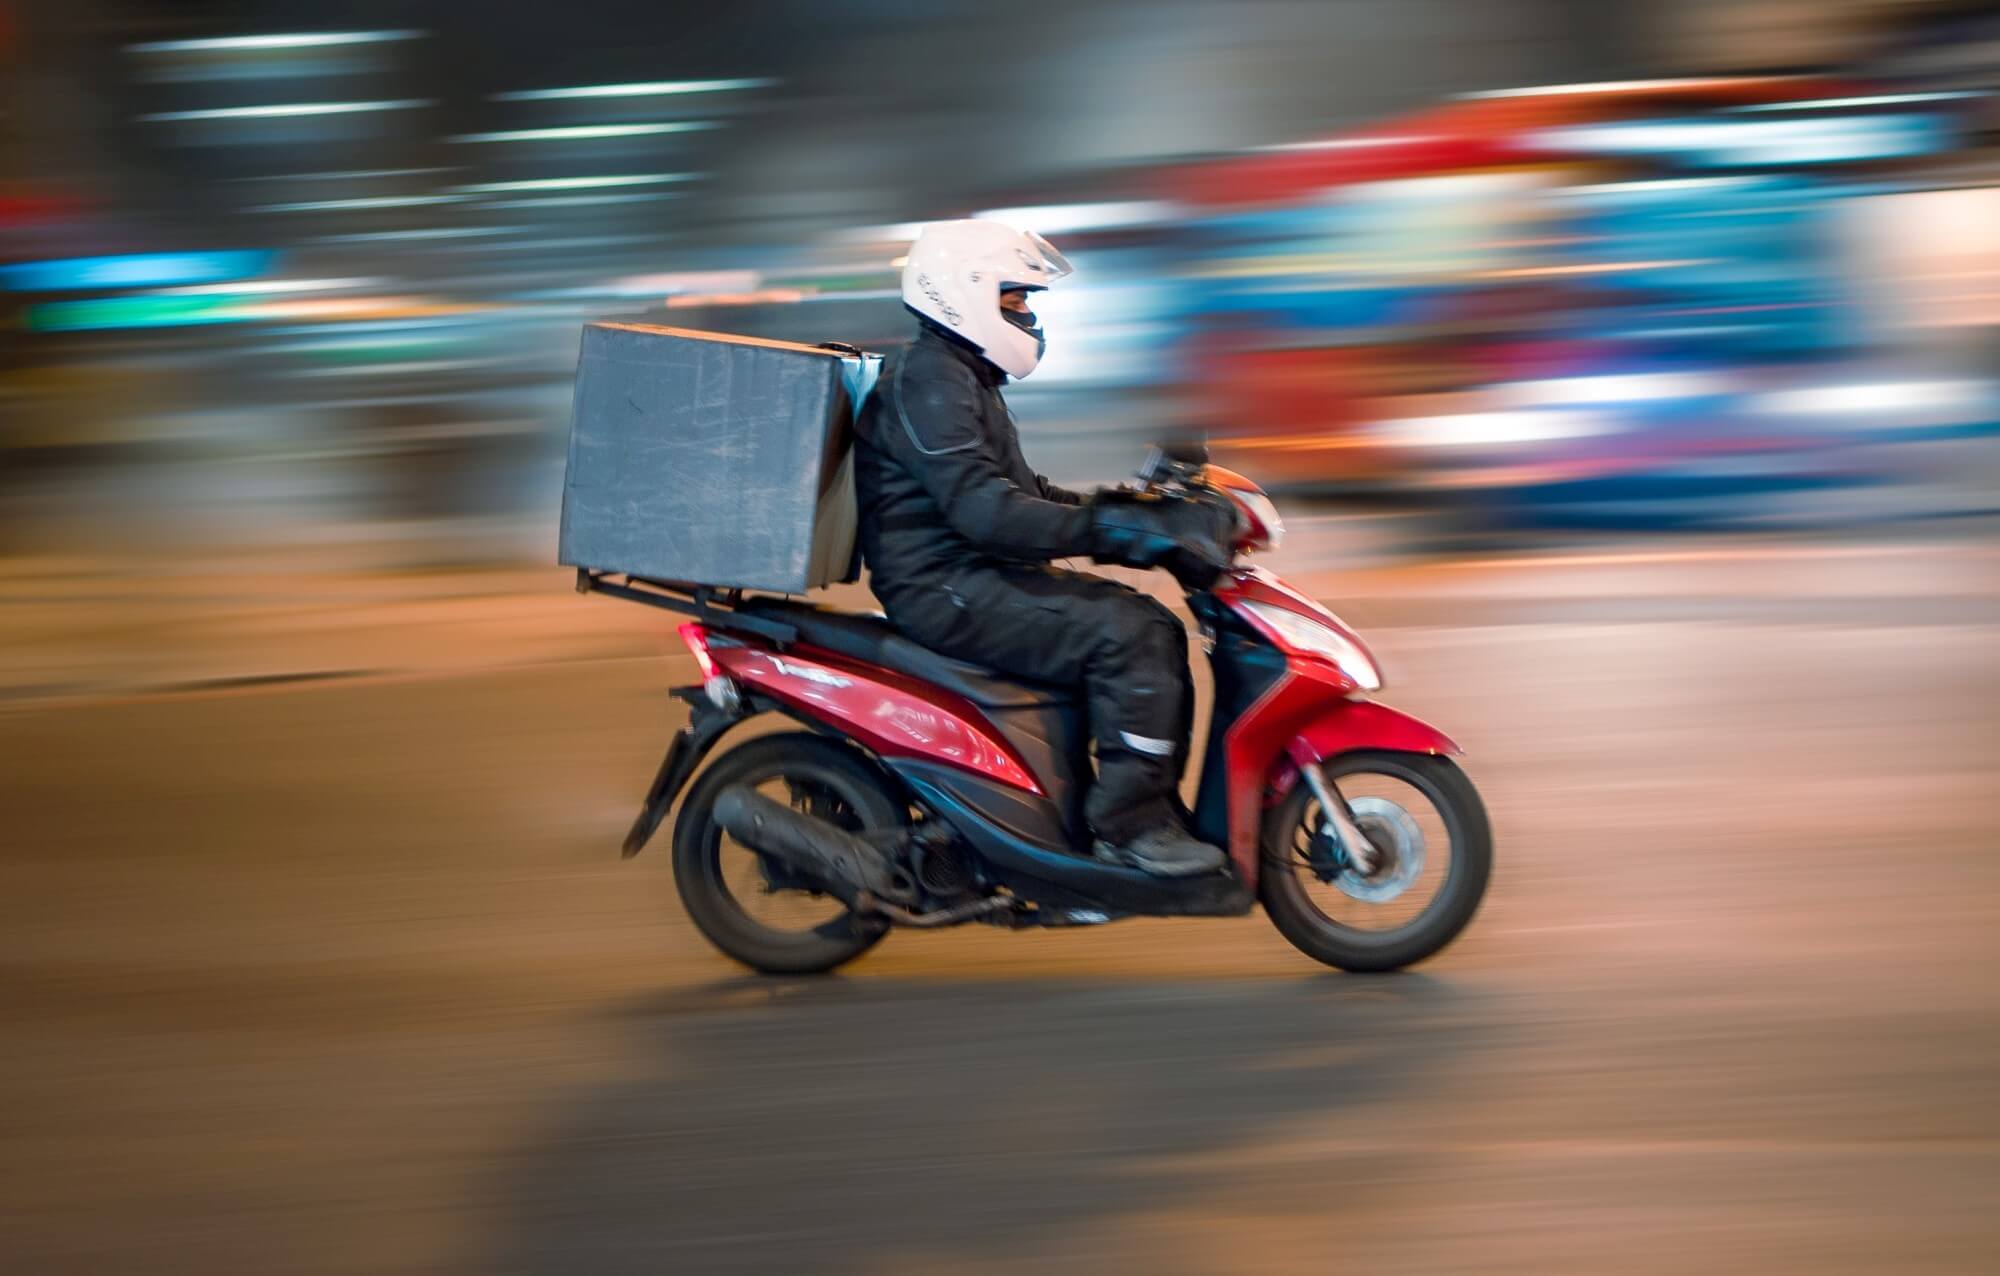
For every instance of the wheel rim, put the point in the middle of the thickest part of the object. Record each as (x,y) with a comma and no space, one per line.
(1406,822)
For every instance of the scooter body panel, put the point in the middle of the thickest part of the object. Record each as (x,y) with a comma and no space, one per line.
(1010,780)
(892,715)
(1289,710)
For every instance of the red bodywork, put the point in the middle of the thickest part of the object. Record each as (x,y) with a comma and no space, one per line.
(1312,712)
(887,712)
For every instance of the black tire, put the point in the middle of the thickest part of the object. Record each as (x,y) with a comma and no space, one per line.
(1299,920)
(698,843)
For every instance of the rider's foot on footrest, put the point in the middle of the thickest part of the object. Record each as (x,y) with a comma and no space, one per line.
(1167,850)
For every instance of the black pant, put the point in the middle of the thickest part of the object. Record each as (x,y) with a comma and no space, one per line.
(1124,649)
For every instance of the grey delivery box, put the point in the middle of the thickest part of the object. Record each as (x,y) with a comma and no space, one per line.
(712,459)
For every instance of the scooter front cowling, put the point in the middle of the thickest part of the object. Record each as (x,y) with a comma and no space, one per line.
(1368,724)
(1296,725)
(1290,681)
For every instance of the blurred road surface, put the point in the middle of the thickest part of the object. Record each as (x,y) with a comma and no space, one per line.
(319,958)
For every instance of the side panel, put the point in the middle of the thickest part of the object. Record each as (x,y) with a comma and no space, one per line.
(1255,741)
(896,717)
(1053,742)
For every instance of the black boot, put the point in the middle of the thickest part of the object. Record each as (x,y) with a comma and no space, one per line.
(1165,850)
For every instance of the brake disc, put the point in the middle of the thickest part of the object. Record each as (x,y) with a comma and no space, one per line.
(1394,834)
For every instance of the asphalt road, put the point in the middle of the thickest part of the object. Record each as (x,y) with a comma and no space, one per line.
(346,976)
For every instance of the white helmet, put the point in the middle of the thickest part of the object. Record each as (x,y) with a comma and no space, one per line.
(956,272)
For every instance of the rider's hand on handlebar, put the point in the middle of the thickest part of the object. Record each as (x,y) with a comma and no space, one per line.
(1190,534)
(1209,547)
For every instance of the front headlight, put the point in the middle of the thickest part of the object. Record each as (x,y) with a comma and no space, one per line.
(1305,634)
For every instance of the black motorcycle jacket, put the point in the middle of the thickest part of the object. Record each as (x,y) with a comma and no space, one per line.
(940,477)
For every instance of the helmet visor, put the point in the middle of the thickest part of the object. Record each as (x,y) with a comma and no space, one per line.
(1052,261)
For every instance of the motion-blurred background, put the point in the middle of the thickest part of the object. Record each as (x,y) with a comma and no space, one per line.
(1626,371)
(287,274)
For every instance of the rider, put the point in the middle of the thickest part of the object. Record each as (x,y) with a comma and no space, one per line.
(958,533)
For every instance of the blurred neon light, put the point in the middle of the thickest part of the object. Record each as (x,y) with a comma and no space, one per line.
(1751,141)
(654,88)
(1343,143)
(1886,396)
(1629,388)
(1490,429)
(1627,86)
(569,201)
(579,183)
(1590,268)
(1057,219)
(131,312)
(1875,99)
(361,201)
(584,132)
(136,270)
(289,109)
(301,40)
(1661,184)
(266,287)
(158,311)
(731,281)
(372,307)
(894,232)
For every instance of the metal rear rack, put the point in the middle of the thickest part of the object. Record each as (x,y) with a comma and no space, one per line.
(705,603)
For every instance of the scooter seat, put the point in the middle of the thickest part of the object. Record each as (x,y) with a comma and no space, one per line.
(869,637)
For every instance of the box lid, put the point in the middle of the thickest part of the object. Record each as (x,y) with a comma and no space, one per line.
(727,338)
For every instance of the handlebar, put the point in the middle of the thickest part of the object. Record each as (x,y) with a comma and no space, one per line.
(1177,463)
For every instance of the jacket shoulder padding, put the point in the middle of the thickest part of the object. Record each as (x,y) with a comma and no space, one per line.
(935,403)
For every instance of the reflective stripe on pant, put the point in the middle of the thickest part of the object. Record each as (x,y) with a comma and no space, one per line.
(1125,650)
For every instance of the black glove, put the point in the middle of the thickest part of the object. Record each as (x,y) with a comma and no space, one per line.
(1190,536)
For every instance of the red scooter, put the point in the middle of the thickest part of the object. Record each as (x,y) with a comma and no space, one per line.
(927,792)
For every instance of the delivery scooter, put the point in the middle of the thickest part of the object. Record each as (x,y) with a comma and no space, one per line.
(925,792)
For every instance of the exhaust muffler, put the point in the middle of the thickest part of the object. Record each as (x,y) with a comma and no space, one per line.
(832,858)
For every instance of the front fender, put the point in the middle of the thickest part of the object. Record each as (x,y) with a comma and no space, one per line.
(1349,727)
(1367,724)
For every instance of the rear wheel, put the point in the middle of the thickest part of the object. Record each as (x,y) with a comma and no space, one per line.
(752,906)
(1435,852)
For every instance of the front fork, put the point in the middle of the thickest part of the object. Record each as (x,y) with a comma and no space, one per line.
(1351,845)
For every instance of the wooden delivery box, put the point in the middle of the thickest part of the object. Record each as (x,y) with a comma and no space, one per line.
(711,459)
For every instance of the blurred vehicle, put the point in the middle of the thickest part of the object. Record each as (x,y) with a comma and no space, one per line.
(1546,296)
(1333,807)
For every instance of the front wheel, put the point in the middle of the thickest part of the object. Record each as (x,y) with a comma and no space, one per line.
(751,905)
(1435,852)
